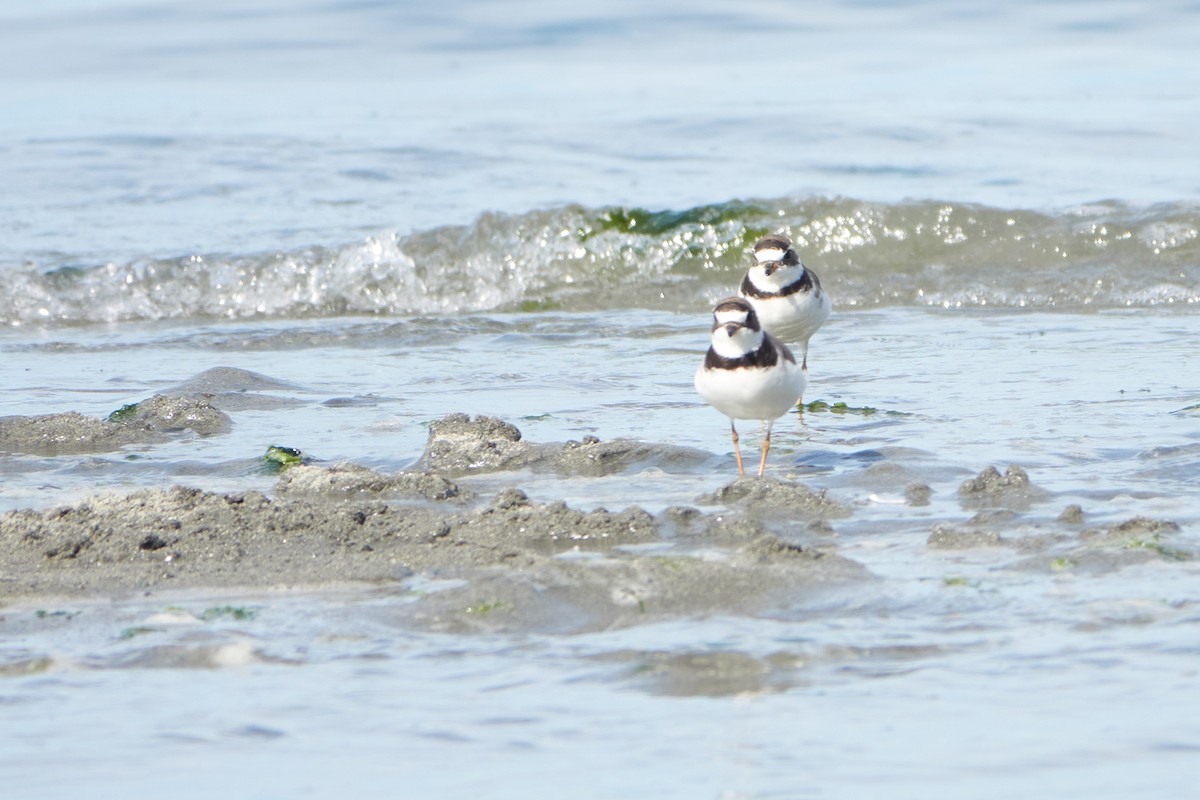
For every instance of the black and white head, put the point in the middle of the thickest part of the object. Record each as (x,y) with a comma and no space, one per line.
(735,330)
(776,264)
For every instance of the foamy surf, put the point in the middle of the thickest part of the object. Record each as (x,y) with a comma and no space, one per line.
(573,258)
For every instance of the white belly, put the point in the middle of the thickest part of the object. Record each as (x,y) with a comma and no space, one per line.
(750,392)
(793,317)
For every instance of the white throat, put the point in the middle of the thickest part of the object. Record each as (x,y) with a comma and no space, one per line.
(743,341)
(779,279)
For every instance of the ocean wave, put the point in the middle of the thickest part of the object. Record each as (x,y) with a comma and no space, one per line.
(868,255)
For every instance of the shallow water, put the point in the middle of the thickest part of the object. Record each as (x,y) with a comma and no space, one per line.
(1097,404)
(1055,705)
(960,668)
(527,213)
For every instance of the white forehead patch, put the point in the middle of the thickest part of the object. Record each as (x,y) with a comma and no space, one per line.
(727,315)
(769,254)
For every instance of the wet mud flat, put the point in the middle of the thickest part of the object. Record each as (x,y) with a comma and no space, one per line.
(540,565)
(500,561)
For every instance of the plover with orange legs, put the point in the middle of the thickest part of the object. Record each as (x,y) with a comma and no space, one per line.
(786,295)
(748,373)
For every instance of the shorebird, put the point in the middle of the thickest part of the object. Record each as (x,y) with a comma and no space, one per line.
(748,373)
(786,295)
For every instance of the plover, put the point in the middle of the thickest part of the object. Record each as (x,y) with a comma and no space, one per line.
(787,296)
(747,373)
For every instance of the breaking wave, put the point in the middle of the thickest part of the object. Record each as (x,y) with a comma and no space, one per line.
(868,255)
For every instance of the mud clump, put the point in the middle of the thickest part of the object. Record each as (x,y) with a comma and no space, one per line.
(1140,526)
(196,406)
(1139,534)
(351,480)
(219,380)
(950,537)
(1071,515)
(1100,550)
(918,494)
(770,497)
(148,422)
(517,564)
(1013,489)
(233,389)
(174,414)
(69,433)
(553,527)
(991,482)
(525,565)
(459,445)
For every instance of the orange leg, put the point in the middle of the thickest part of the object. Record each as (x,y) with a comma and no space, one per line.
(804,367)
(737,450)
(762,464)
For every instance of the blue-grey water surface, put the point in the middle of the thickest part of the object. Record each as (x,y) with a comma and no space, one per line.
(526,210)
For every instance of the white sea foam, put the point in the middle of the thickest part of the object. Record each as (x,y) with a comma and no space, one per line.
(868,255)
